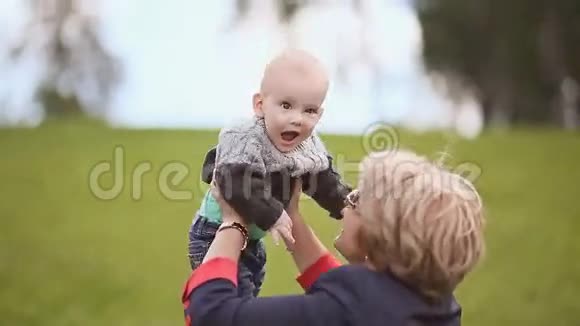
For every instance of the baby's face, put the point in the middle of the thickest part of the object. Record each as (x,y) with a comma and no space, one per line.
(292,107)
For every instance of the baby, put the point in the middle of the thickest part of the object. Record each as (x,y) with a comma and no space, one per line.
(257,163)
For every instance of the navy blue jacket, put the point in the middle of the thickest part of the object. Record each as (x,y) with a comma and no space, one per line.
(345,295)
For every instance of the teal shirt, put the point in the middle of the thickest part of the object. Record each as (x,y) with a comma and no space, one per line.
(211,210)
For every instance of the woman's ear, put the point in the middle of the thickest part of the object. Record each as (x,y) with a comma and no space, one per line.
(258,105)
(361,240)
(368,248)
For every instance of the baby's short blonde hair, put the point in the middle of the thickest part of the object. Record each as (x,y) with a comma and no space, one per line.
(421,222)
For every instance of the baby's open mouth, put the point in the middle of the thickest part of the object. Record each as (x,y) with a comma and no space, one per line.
(289,135)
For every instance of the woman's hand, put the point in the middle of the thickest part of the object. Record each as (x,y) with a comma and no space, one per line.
(307,248)
(292,213)
(228,213)
(293,207)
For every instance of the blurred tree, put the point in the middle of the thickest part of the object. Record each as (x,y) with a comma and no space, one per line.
(288,8)
(516,54)
(560,51)
(80,68)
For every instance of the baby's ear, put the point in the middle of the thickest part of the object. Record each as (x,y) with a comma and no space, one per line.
(257,103)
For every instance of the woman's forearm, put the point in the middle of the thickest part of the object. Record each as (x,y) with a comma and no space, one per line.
(227,244)
(308,248)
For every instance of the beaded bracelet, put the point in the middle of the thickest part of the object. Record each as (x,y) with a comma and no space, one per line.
(237,226)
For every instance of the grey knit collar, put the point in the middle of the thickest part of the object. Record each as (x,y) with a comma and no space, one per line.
(249,143)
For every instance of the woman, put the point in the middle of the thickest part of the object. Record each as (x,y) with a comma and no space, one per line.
(411,232)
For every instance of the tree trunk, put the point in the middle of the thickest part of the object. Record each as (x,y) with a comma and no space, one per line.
(570,93)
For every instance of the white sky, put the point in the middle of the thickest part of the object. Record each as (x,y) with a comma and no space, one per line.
(182,70)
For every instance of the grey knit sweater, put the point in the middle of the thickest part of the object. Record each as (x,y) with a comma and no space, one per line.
(248,143)
(256,179)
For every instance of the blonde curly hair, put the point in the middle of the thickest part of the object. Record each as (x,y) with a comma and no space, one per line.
(421,222)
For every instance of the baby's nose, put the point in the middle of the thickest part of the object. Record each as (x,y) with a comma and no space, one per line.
(296,121)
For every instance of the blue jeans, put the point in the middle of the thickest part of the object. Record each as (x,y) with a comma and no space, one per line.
(252,263)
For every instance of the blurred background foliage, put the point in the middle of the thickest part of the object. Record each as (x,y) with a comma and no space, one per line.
(70,258)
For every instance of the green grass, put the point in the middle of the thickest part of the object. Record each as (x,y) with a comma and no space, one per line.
(69,258)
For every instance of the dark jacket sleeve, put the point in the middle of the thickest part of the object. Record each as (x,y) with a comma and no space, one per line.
(328,189)
(208,165)
(216,303)
(244,188)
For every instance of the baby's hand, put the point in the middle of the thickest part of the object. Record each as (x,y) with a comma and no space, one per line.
(282,229)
